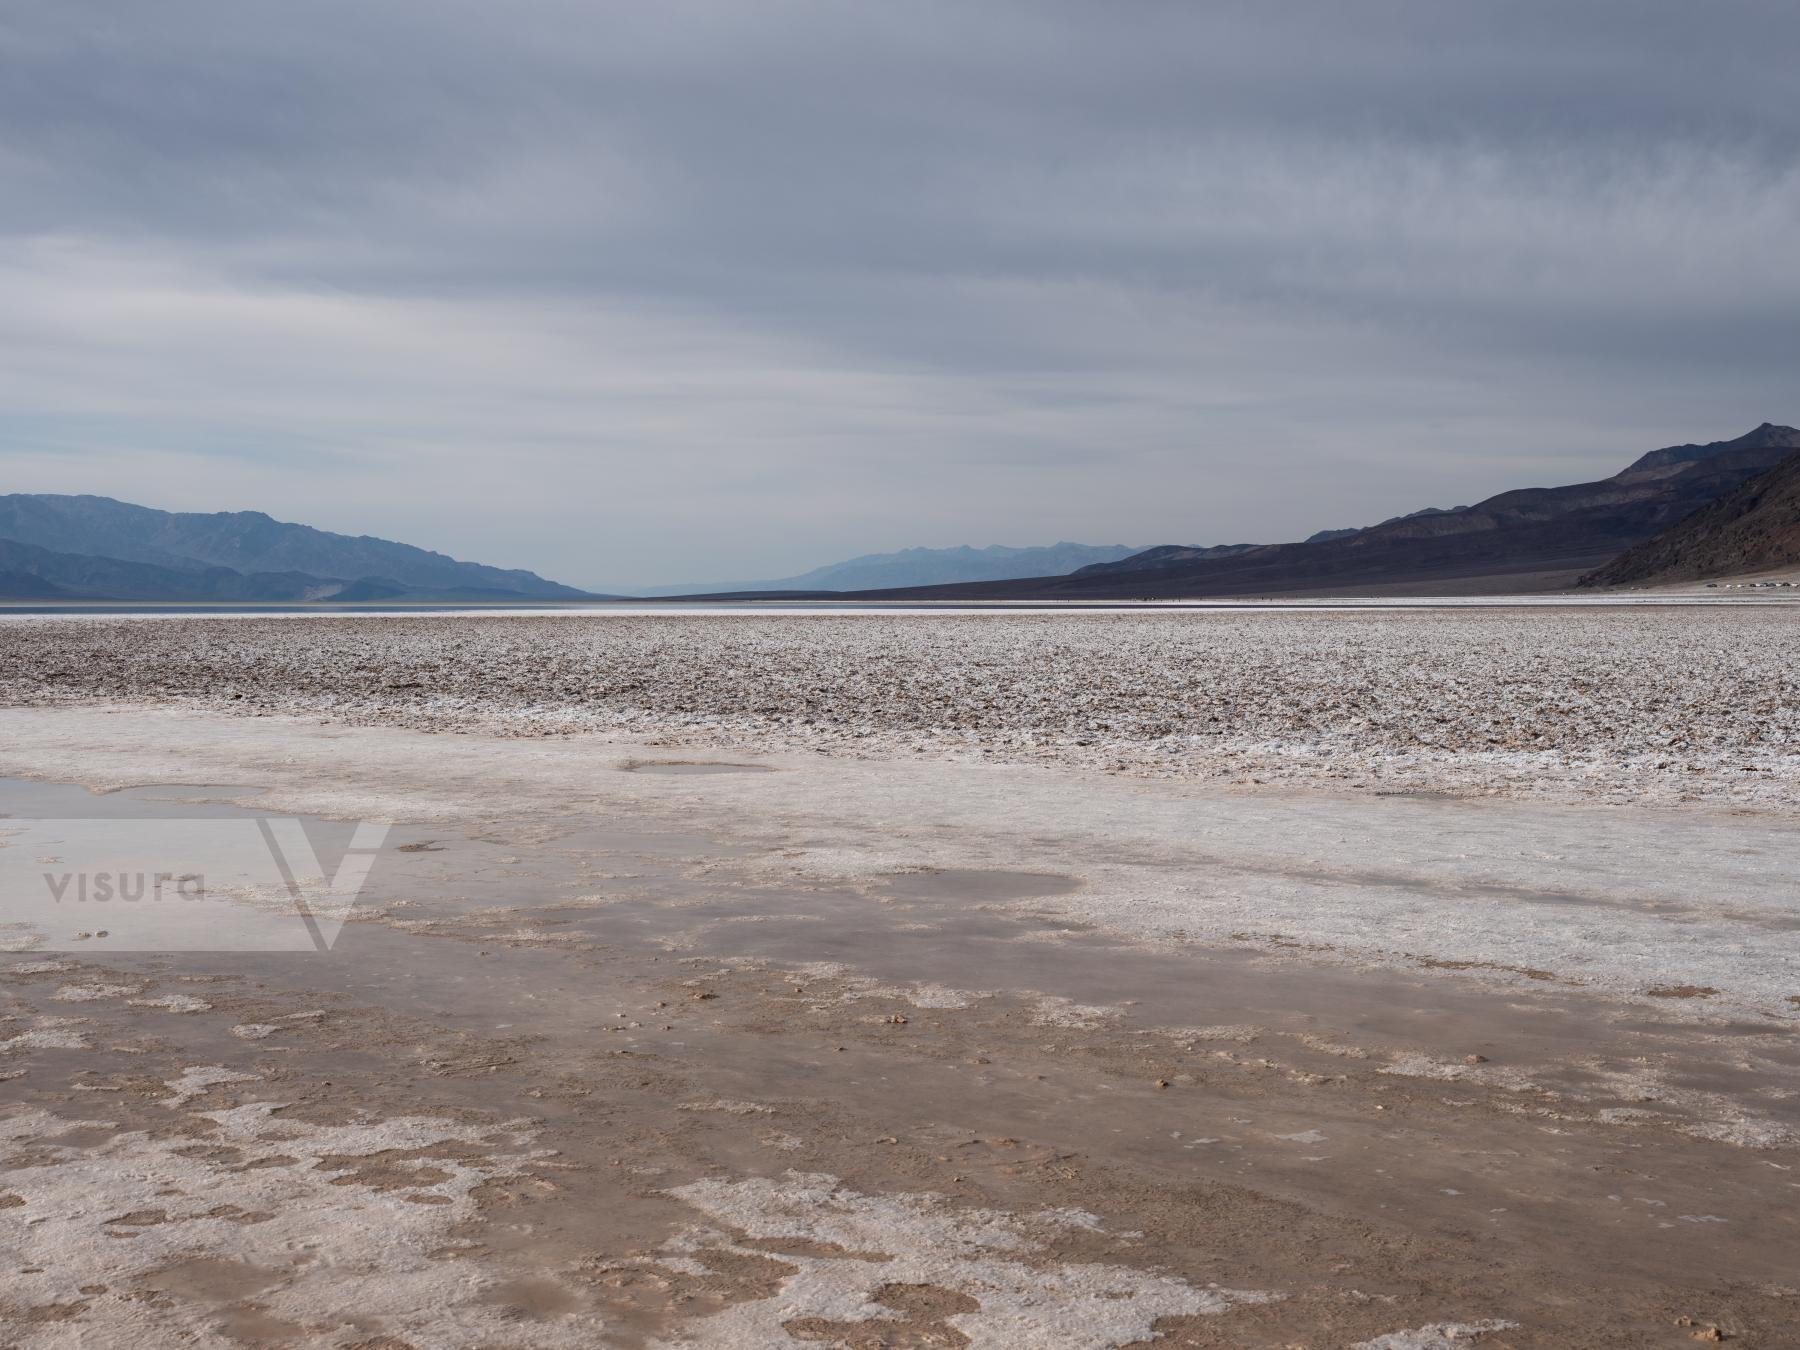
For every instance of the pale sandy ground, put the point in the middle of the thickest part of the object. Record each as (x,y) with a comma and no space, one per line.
(914,1049)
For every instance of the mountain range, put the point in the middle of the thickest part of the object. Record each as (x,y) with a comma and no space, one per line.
(56,547)
(1678,513)
(1525,540)
(921,567)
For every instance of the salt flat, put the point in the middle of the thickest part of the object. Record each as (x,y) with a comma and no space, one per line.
(1613,703)
(1004,1005)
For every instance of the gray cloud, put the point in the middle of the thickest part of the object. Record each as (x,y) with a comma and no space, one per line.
(630,293)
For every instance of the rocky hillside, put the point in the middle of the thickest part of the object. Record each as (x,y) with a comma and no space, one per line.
(1753,528)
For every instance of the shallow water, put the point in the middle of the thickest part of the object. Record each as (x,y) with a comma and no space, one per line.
(172,867)
(671,897)
(24,797)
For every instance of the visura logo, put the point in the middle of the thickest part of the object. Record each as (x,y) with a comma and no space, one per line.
(128,887)
(143,883)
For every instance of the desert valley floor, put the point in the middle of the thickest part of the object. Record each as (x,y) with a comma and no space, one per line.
(1395,979)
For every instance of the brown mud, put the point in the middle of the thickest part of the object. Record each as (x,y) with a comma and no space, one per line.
(582,1082)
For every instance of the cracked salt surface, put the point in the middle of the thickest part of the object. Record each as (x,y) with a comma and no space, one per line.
(1000,1260)
(49,1033)
(1437,1336)
(177,1003)
(130,1209)
(198,1079)
(853,987)
(1571,703)
(1716,1116)
(88,993)
(1054,1011)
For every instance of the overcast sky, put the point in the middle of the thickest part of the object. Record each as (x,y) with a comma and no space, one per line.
(655,292)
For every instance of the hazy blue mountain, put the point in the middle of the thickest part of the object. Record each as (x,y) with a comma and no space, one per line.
(30,572)
(248,542)
(922,567)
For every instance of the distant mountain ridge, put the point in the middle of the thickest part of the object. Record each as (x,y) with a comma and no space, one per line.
(923,567)
(1754,528)
(86,547)
(1174,555)
(246,542)
(1528,539)
(1681,511)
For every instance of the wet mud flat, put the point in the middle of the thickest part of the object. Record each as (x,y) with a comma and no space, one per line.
(582,1077)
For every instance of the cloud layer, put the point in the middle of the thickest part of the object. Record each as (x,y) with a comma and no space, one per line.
(633,293)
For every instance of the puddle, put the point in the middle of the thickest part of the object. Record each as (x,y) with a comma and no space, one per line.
(160,868)
(695,766)
(24,797)
(187,792)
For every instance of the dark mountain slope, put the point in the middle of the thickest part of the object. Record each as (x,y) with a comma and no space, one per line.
(247,542)
(1753,528)
(1165,556)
